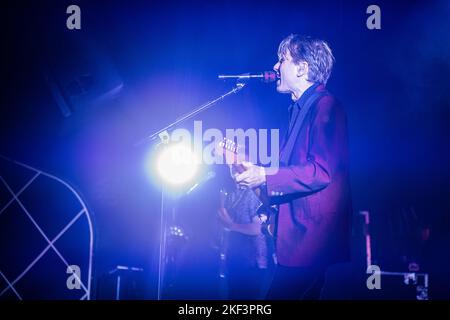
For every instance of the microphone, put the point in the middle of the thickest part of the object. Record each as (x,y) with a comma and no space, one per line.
(207,177)
(266,76)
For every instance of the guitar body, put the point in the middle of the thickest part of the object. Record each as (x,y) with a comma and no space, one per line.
(266,212)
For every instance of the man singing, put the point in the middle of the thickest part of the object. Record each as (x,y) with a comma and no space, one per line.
(312,184)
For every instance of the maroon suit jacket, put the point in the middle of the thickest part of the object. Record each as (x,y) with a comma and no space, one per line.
(313,190)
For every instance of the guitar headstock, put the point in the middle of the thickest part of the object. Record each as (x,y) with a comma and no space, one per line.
(228,145)
(233,155)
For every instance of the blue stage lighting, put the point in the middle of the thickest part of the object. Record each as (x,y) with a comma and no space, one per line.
(177,164)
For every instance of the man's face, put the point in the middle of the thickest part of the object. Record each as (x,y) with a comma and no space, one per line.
(287,72)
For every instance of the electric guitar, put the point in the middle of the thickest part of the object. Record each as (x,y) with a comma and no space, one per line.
(234,158)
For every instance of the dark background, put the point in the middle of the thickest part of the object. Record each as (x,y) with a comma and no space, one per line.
(163,60)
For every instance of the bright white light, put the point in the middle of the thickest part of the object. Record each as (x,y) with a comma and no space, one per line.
(177,164)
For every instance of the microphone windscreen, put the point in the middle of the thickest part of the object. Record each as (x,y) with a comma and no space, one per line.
(269,76)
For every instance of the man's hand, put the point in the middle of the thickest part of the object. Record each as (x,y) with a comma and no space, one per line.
(252,177)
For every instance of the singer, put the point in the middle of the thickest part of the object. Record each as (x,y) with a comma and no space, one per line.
(312,185)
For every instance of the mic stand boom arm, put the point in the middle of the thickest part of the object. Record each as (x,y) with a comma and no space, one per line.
(189,115)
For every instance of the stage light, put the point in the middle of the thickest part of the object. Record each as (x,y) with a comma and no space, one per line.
(177,164)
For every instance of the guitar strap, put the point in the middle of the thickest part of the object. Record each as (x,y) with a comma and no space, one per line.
(295,130)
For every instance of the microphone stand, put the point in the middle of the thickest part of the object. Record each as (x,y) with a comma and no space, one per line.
(163,134)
